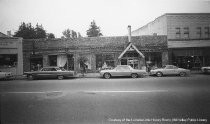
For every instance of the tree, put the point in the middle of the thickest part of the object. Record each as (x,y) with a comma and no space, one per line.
(27,31)
(40,32)
(94,30)
(82,60)
(79,35)
(69,33)
(50,36)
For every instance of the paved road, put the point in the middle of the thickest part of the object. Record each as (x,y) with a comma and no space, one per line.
(170,100)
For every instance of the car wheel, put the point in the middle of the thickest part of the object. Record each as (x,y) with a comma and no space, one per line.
(159,74)
(134,75)
(60,77)
(182,74)
(30,77)
(205,71)
(107,75)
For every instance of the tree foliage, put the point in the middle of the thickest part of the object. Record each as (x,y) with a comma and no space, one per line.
(40,32)
(69,33)
(94,30)
(82,60)
(50,36)
(27,31)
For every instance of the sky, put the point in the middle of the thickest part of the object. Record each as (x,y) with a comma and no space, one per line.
(112,16)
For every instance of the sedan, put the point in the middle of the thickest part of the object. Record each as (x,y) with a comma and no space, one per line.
(122,70)
(50,72)
(5,75)
(205,69)
(169,70)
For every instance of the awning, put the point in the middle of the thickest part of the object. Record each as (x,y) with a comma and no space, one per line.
(131,47)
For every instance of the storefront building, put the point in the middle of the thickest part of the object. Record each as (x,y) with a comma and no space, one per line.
(11,55)
(101,52)
(188,37)
(191,55)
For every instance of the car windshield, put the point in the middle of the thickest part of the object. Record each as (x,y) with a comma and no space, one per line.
(164,66)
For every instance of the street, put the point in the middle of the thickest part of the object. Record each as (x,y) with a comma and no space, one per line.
(149,100)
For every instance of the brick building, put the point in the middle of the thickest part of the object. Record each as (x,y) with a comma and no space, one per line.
(188,37)
(111,51)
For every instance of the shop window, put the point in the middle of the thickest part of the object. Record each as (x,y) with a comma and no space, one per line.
(53,60)
(207,32)
(8,60)
(199,32)
(123,61)
(105,61)
(186,32)
(36,63)
(178,32)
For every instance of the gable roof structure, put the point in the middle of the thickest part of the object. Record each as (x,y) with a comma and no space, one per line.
(129,47)
(3,35)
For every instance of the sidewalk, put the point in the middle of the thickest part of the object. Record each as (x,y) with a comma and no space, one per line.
(88,75)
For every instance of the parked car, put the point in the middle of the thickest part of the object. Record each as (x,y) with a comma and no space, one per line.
(205,69)
(169,70)
(5,75)
(50,72)
(122,70)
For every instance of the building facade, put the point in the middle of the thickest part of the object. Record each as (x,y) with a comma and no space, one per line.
(136,51)
(188,37)
(11,55)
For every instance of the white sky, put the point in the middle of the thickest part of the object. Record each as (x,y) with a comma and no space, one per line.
(113,16)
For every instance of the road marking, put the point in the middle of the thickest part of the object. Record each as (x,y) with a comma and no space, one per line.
(92,91)
(39,92)
(128,91)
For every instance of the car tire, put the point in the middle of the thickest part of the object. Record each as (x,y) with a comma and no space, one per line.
(30,77)
(182,74)
(159,74)
(134,75)
(205,71)
(60,77)
(107,75)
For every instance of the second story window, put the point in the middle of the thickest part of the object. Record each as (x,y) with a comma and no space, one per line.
(199,32)
(207,32)
(186,32)
(178,32)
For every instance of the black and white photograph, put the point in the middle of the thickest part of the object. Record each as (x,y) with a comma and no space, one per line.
(104,61)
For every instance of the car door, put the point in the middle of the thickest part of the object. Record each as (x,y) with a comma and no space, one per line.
(42,73)
(53,73)
(123,71)
(176,70)
(45,73)
(169,70)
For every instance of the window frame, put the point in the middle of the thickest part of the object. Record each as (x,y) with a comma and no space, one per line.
(178,32)
(186,32)
(207,32)
(199,32)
